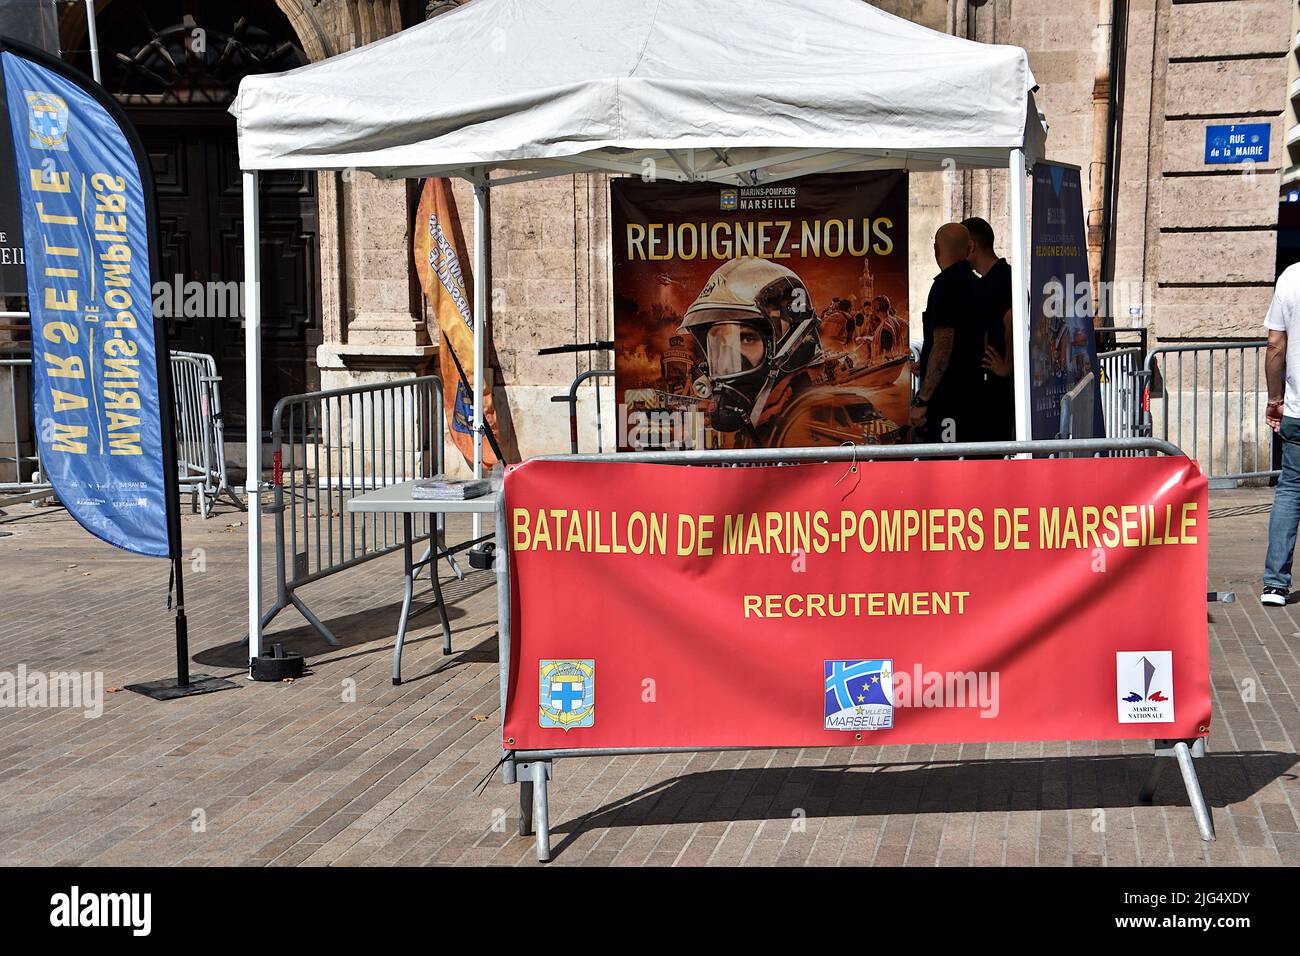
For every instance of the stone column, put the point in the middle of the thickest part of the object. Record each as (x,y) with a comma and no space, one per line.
(382,333)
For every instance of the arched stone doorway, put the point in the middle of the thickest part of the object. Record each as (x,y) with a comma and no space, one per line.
(175,66)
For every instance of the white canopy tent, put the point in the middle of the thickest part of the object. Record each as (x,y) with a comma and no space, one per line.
(729,91)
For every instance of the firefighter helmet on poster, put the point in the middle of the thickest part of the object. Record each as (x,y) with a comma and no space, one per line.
(755,323)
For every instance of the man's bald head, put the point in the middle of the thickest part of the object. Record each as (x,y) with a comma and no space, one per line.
(951,244)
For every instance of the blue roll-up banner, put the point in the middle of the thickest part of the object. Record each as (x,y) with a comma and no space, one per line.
(1062,344)
(86,192)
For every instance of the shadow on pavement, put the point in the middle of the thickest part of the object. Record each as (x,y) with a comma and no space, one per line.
(363,626)
(1043,783)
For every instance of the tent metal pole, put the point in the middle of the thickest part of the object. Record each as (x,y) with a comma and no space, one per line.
(482,238)
(1019,292)
(92,35)
(253,406)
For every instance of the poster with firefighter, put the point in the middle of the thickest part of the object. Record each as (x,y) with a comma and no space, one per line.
(771,316)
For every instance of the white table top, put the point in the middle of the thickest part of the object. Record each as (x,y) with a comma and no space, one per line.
(397,498)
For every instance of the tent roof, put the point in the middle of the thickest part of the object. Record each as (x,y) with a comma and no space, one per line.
(725,90)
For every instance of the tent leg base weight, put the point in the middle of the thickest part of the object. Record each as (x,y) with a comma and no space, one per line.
(169,689)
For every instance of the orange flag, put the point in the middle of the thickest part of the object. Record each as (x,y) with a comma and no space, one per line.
(436,245)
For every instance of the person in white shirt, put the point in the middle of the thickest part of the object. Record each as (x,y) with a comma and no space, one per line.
(1282,370)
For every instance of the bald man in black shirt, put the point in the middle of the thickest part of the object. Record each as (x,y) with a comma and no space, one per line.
(953,345)
(997,417)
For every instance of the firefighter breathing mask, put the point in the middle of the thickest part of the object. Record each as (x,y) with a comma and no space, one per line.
(755,323)
(734,348)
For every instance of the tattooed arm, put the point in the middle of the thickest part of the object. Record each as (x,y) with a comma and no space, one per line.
(940,356)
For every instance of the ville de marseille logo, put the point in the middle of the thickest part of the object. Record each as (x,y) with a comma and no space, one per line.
(568,694)
(859,695)
(1145,686)
(47,121)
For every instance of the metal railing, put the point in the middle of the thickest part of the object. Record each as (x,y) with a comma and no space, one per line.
(200,438)
(200,432)
(1209,398)
(329,446)
(1078,410)
(1121,391)
(20,465)
(572,400)
(1112,338)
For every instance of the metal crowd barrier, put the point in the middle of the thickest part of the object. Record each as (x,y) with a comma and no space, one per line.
(572,400)
(533,769)
(200,437)
(1121,391)
(200,432)
(329,446)
(1111,338)
(20,471)
(1078,410)
(1209,398)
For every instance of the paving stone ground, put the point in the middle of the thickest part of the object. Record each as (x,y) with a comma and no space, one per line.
(343,768)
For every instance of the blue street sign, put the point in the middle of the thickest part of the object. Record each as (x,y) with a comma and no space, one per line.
(1243,142)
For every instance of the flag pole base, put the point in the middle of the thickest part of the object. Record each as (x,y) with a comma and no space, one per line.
(169,689)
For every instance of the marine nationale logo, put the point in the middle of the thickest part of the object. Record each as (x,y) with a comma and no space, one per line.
(730,200)
(47,121)
(568,694)
(1145,686)
(859,695)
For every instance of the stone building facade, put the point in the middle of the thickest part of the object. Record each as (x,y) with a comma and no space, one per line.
(1191,248)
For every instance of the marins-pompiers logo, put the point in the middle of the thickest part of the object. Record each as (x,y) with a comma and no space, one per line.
(567,691)
(47,120)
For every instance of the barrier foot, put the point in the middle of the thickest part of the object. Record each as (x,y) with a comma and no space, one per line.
(1183,751)
(541,812)
(314,621)
(234,498)
(525,808)
(534,811)
(1204,822)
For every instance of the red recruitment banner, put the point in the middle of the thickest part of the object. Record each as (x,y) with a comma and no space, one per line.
(816,605)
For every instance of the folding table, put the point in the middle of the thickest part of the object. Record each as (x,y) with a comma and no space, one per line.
(397,499)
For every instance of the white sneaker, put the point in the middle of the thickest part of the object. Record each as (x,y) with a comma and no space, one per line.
(1274,597)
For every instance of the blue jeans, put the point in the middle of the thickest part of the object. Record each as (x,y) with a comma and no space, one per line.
(1286,510)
